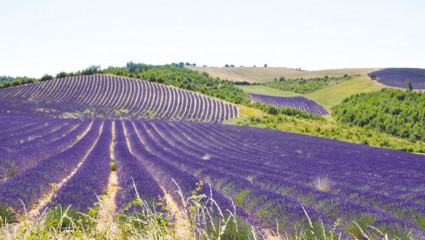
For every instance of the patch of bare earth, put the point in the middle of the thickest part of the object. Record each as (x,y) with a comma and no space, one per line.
(108,205)
(270,236)
(181,223)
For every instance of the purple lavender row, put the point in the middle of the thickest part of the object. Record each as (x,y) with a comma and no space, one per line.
(304,158)
(294,188)
(30,186)
(10,123)
(165,170)
(221,176)
(227,156)
(132,172)
(298,102)
(111,97)
(26,129)
(230,142)
(49,126)
(81,191)
(53,136)
(12,163)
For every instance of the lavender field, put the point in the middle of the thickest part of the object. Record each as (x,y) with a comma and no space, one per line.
(271,175)
(297,102)
(113,97)
(397,77)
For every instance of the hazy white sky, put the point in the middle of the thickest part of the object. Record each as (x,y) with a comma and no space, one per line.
(49,36)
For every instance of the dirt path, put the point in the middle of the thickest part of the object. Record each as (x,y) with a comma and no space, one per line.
(181,223)
(268,235)
(108,207)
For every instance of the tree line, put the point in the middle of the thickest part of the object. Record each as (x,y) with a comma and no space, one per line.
(305,85)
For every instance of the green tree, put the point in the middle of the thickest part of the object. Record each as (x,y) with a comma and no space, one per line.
(46,77)
(271,109)
(91,70)
(61,75)
(409,84)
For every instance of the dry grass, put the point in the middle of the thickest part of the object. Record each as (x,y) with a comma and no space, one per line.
(108,205)
(245,112)
(333,95)
(260,89)
(261,74)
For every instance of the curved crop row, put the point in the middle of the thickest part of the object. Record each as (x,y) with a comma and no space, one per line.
(30,185)
(298,102)
(113,97)
(270,175)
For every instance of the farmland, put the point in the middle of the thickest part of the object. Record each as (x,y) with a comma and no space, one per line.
(397,77)
(274,175)
(63,140)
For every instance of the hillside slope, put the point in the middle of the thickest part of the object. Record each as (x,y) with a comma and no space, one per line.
(333,95)
(113,97)
(261,74)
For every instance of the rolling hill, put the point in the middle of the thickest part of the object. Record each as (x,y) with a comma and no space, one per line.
(262,74)
(113,97)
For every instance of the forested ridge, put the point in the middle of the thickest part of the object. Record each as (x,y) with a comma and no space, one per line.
(396,112)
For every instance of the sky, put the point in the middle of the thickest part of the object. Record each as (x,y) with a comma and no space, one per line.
(49,36)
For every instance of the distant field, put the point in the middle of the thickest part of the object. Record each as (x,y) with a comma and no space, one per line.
(328,96)
(397,77)
(331,96)
(261,74)
(259,89)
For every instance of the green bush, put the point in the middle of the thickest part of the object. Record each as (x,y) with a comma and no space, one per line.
(396,112)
